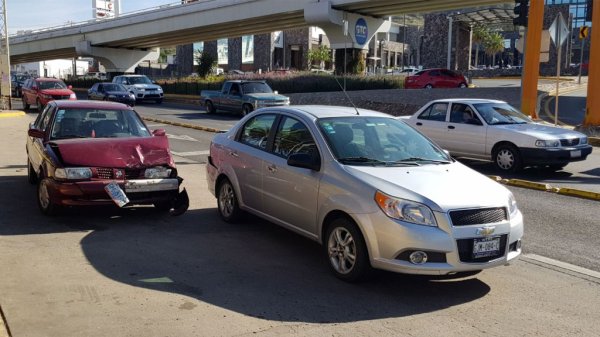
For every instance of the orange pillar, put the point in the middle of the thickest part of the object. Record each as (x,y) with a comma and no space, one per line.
(531,67)
(592,109)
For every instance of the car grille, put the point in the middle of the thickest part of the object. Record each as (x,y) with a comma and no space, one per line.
(108,173)
(61,96)
(273,103)
(465,250)
(569,142)
(478,216)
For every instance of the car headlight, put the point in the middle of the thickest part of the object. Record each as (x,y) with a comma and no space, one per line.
(159,89)
(405,210)
(131,95)
(46,96)
(583,140)
(72,96)
(512,205)
(157,172)
(112,96)
(73,173)
(547,143)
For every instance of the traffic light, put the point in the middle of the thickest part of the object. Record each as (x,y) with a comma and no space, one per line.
(522,11)
(588,10)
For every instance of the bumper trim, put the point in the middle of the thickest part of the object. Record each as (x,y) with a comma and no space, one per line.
(151,185)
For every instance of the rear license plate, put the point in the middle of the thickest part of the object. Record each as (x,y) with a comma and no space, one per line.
(116,194)
(486,247)
(576,154)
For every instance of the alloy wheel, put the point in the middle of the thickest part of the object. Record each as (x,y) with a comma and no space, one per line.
(341,248)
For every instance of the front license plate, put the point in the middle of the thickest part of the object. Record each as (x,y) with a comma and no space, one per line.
(486,247)
(116,194)
(576,154)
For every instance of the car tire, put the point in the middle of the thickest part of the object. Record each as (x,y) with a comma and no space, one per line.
(246,109)
(346,251)
(25,104)
(463,85)
(31,175)
(45,202)
(40,107)
(163,206)
(227,202)
(210,108)
(557,167)
(507,158)
(429,86)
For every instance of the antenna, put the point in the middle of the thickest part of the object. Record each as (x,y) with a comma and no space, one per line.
(345,93)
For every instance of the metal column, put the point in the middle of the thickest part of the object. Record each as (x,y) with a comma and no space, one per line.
(592,109)
(531,67)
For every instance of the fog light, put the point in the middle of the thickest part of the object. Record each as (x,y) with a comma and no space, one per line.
(418,257)
(518,244)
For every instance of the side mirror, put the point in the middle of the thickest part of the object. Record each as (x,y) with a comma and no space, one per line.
(474,121)
(159,133)
(305,160)
(35,133)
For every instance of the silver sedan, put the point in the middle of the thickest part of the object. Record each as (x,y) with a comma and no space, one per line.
(372,190)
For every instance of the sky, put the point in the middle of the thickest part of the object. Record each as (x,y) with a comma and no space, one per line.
(38,14)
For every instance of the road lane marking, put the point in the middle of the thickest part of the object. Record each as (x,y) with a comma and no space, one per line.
(191,153)
(563,265)
(182,137)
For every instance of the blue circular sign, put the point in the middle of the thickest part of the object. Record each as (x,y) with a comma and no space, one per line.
(361,31)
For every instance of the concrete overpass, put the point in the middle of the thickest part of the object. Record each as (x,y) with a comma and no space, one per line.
(120,43)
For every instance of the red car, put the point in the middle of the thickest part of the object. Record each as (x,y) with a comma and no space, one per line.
(435,78)
(40,91)
(100,153)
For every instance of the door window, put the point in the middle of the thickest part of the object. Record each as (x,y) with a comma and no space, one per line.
(256,131)
(293,137)
(436,112)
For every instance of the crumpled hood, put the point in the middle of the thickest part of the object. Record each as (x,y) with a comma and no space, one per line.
(56,92)
(115,152)
(146,86)
(267,97)
(540,131)
(441,187)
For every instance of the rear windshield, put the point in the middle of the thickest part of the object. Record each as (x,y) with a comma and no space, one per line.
(51,85)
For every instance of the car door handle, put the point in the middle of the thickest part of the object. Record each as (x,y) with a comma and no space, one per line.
(419,123)
(451,127)
(233,154)
(272,168)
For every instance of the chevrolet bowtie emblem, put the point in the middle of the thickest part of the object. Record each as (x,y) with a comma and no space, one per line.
(485,231)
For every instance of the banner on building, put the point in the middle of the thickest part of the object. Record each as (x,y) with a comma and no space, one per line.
(104,9)
(278,39)
(248,49)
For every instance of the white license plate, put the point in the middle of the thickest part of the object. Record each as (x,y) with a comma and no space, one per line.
(486,247)
(116,194)
(576,154)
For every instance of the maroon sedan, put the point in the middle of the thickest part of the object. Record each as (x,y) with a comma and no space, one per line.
(435,78)
(98,153)
(40,91)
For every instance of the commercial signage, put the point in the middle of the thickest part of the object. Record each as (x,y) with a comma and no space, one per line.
(105,8)
(361,31)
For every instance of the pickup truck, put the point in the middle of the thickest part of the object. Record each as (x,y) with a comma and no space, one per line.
(241,96)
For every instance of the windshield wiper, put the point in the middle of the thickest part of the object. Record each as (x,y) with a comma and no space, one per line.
(361,160)
(70,136)
(419,159)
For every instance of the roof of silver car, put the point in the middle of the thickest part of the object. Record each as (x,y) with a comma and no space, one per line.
(468,100)
(324,111)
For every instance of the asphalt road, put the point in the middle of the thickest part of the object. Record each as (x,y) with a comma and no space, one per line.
(571,107)
(136,272)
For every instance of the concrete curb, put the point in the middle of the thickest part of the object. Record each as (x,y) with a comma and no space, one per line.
(185,125)
(572,192)
(12,113)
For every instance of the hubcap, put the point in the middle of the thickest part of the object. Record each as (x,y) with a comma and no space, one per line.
(226,200)
(505,159)
(43,195)
(342,250)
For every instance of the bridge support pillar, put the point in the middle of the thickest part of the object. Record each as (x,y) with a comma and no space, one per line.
(344,30)
(117,60)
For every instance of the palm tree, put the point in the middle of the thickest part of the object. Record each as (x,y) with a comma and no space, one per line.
(480,34)
(493,45)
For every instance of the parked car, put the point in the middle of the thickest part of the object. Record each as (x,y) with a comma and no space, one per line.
(40,91)
(17,81)
(242,96)
(83,153)
(494,130)
(141,87)
(406,71)
(107,91)
(435,78)
(371,189)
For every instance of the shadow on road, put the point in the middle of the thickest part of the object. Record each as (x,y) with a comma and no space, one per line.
(254,268)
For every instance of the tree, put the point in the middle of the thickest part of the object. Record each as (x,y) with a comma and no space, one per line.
(206,63)
(493,45)
(164,52)
(321,55)
(480,34)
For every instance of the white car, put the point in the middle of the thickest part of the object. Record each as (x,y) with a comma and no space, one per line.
(494,130)
(406,71)
(141,87)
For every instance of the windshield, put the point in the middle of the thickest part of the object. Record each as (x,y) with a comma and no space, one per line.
(256,87)
(51,85)
(114,87)
(139,80)
(380,141)
(97,123)
(501,113)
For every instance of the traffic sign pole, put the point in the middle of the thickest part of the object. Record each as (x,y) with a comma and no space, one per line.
(581,60)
